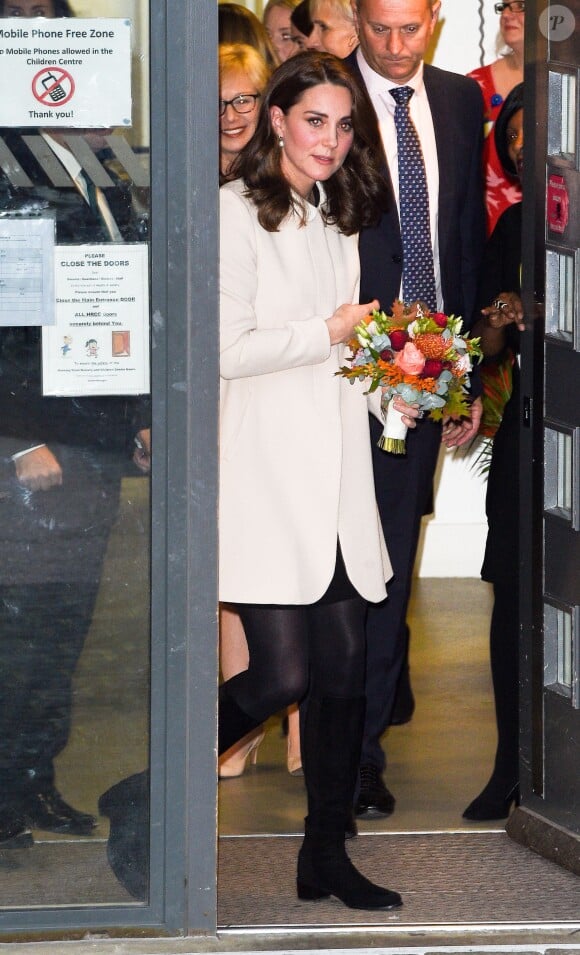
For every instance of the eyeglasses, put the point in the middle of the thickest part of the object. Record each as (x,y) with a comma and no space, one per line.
(514,6)
(242,103)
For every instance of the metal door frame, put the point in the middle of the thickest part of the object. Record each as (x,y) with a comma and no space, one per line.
(527,825)
(184,265)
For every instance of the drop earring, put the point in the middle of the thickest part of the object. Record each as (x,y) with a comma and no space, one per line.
(281,142)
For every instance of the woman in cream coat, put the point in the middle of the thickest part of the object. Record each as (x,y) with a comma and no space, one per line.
(301,549)
(295,451)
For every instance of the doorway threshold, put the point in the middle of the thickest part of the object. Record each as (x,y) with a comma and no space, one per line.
(452,883)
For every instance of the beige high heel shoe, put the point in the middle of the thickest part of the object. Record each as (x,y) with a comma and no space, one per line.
(294,763)
(293,756)
(233,762)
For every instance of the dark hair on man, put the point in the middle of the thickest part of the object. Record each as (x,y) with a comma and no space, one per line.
(357,193)
(300,18)
(512,103)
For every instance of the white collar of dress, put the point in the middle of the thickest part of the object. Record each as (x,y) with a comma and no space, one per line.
(314,202)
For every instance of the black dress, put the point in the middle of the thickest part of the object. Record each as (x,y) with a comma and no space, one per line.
(501,562)
(501,272)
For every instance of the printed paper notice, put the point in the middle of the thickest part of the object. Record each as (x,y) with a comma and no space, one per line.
(26,272)
(65,72)
(100,342)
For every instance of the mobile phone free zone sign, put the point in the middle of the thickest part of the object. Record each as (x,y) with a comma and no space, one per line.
(65,72)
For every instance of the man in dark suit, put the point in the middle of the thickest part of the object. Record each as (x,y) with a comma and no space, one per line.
(446,111)
(61,463)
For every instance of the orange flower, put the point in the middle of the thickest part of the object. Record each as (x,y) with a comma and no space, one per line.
(432,345)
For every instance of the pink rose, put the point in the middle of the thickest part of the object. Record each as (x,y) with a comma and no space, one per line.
(398,339)
(440,319)
(411,361)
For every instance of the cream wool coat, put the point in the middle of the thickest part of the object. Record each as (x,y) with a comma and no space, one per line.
(295,467)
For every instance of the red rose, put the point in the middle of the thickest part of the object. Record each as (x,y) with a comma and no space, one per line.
(432,368)
(399,338)
(386,354)
(440,319)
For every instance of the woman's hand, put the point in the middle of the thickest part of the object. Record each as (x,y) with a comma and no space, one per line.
(410,413)
(342,324)
(456,432)
(505,309)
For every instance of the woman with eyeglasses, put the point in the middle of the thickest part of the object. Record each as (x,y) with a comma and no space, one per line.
(497,80)
(243,74)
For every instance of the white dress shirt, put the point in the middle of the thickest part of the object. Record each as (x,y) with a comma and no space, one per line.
(378,89)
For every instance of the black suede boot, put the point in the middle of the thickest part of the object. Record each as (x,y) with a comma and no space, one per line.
(494,801)
(502,789)
(233,722)
(332,740)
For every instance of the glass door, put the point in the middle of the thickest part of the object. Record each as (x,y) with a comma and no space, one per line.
(550,817)
(108,263)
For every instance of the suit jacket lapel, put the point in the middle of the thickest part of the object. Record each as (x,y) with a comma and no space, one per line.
(443,126)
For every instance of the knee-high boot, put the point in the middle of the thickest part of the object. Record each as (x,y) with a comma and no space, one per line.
(332,740)
(233,722)
(502,790)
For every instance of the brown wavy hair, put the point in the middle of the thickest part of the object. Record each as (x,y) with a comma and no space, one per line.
(357,193)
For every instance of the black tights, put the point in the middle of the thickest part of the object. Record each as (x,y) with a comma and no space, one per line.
(317,649)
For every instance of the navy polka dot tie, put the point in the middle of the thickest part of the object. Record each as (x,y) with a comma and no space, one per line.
(418,271)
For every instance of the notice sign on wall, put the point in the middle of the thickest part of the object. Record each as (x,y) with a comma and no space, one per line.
(100,342)
(66,72)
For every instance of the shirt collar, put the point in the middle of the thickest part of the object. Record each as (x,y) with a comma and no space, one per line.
(310,210)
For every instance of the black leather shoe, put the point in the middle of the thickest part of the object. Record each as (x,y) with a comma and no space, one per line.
(47,810)
(14,833)
(374,799)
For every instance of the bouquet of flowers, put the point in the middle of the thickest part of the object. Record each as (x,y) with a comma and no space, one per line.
(417,354)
